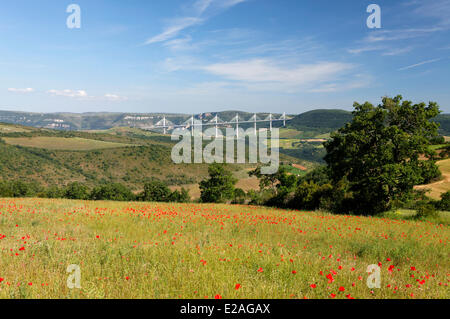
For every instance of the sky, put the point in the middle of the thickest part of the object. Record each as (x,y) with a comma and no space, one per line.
(193,56)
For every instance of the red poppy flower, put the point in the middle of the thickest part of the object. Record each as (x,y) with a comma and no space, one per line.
(238,286)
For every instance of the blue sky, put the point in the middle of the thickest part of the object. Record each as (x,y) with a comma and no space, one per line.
(195,56)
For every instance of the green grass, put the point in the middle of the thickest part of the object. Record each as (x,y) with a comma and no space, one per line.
(145,250)
(443,217)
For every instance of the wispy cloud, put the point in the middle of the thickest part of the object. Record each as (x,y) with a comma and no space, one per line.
(438,10)
(265,70)
(114,97)
(23,91)
(419,64)
(397,51)
(400,34)
(83,95)
(267,74)
(69,93)
(385,49)
(201,10)
(174,29)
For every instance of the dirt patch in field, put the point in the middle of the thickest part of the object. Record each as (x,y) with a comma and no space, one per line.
(301,167)
(438,188)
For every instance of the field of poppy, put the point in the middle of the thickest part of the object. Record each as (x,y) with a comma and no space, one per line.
(147,250)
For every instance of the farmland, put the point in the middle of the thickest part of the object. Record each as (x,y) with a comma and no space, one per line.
(65,144)
(434,190)
(147,250)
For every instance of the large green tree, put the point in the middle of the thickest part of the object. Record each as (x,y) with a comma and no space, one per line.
(383,152)
(219,187)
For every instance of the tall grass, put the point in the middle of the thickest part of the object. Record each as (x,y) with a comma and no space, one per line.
(146,250)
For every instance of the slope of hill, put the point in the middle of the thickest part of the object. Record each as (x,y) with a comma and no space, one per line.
(444,120)
(318,122)
(127,155)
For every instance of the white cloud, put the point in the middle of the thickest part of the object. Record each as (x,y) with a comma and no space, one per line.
(365,49)
(419,64)
(268,71)
(26,90)
(386,50)
(175,28)
(201,10)
(69,93)
(114,97)
(438,10)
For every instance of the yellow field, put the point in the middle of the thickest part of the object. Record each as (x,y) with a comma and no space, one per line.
(60,143)
(12,129)
(438,188)
(145,250)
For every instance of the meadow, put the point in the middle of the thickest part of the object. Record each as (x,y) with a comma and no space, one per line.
(148,250)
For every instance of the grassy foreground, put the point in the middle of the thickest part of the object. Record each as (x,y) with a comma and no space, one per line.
(145,250)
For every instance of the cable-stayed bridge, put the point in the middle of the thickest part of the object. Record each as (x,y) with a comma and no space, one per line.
(194,124)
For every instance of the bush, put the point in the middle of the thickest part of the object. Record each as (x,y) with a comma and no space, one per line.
(52,192)
(239,196)
(114,192)
(155,191)
(444,203)
(311,196)
(426,210)
(180,196)
(5,189)
(76,190)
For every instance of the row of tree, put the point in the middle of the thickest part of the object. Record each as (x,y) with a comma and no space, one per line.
(154,191)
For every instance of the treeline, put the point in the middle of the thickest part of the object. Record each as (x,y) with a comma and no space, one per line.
(313,191)
(154,191)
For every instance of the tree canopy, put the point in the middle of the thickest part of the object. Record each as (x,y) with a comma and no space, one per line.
(383,152)
(219,187)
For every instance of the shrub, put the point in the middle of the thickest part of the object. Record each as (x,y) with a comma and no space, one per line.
(444,203)
(5,189)
(311,196)
(180,196)
(155,191)
(114,192)
(76,190)
(52,192)
(239,196)
(426,210)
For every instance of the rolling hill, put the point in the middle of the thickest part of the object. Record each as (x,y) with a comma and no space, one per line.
(311,124)
(127,155)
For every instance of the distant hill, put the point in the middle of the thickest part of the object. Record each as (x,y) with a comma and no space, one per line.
(326,121)
(444,120)
(105,121)
(311,123)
